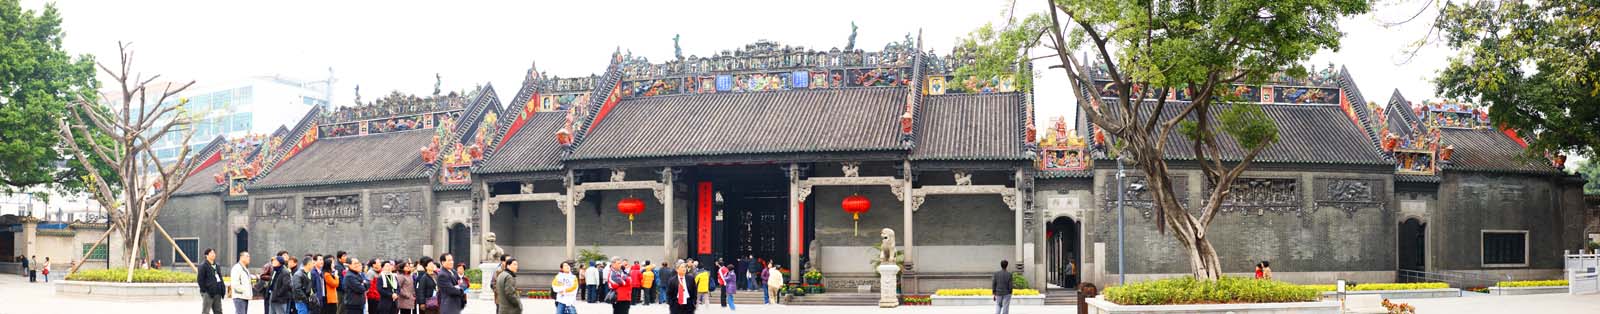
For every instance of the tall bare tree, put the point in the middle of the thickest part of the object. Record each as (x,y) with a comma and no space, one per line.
(138,117)
(1150,49)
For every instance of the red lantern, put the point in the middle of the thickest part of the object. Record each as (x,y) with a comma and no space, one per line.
(856,205)
(630,206)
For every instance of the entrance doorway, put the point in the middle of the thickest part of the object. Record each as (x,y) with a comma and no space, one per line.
(1411,245)
(241,242)
(1064,257)
(754,212)
(460,245)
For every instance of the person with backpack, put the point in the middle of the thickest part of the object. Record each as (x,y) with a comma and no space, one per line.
(619,281)
(239,279)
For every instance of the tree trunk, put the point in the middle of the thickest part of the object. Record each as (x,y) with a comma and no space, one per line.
(1203,261)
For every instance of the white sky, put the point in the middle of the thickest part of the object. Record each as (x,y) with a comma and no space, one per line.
(399,45)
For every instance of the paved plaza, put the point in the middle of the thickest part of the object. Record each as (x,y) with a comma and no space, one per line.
(17,296)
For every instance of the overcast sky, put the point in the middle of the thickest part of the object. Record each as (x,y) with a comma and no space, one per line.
(399,45)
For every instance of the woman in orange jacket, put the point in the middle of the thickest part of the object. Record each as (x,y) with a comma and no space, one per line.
(330,280)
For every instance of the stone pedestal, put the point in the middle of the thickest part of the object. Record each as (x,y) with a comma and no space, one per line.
(488,269)
(887,297)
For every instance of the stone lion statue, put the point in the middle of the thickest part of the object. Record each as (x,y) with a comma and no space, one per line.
(494,251)
(886,250)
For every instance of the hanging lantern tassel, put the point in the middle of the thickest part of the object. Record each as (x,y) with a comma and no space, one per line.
(630,223)
(857,218)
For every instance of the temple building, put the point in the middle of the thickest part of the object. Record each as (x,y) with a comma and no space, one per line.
(802,157)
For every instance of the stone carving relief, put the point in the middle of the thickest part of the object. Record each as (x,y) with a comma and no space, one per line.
(1136,194)
(398,203)
(1262,195)
(851,169)
(273,208)
(340,208)
(1349,195)
(618,174)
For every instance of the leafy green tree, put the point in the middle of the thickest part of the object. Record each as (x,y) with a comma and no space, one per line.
(1590,170)
(1536,64)
(37,79)
(1159,47)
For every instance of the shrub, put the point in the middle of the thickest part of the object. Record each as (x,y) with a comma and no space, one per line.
(981,292)
(474,275)
(139,275)
(1187,290)
(591,255)
(813,274)
(1019,282)
(1398,308)
(1399,286)
(1532,283)
(540,294)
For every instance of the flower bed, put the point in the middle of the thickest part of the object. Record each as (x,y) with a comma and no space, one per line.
(981,292)
(1529,287)
(1395,290)
(540,294)
(139,276)
(1187,290)
(916,300)
(1532,283)
(947,297)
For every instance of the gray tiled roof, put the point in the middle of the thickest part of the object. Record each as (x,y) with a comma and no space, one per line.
(1415,178)
(826,120)
(1306,134)
(533,148)
(374,157)
(971,127)
(1489,150)
(203,181)
(1054,174)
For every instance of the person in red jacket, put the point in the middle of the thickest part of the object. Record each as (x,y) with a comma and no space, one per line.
(372,287)
(635,280)
(619,283)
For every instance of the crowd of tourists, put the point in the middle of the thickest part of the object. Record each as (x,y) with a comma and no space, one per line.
(336,284)
(343,284)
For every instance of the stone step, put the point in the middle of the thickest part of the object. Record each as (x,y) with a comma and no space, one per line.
(837,299)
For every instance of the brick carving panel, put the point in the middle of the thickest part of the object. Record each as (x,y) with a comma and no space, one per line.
(341,208)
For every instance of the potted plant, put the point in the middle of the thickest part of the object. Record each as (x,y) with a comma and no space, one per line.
(813,277)
(797,291)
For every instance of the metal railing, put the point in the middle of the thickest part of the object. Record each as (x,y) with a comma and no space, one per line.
(1456,279)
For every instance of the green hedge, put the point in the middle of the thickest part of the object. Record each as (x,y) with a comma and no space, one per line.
(1532,283)
(1187,290)
(139,275)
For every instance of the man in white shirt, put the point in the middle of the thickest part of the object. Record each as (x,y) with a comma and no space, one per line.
(239,284)
(591,281)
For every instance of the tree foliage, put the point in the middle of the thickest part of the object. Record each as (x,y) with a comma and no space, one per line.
(1590,170)
(1149,50)
(1536,64)
(37,79)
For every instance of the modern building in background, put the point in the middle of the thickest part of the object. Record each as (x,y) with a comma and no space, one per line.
(255,105)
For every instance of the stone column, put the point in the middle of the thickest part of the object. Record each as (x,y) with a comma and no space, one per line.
(1016,211)
(570,207)
(906,211)
(30,235)
(667,201)
(481,240)
(794,227)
